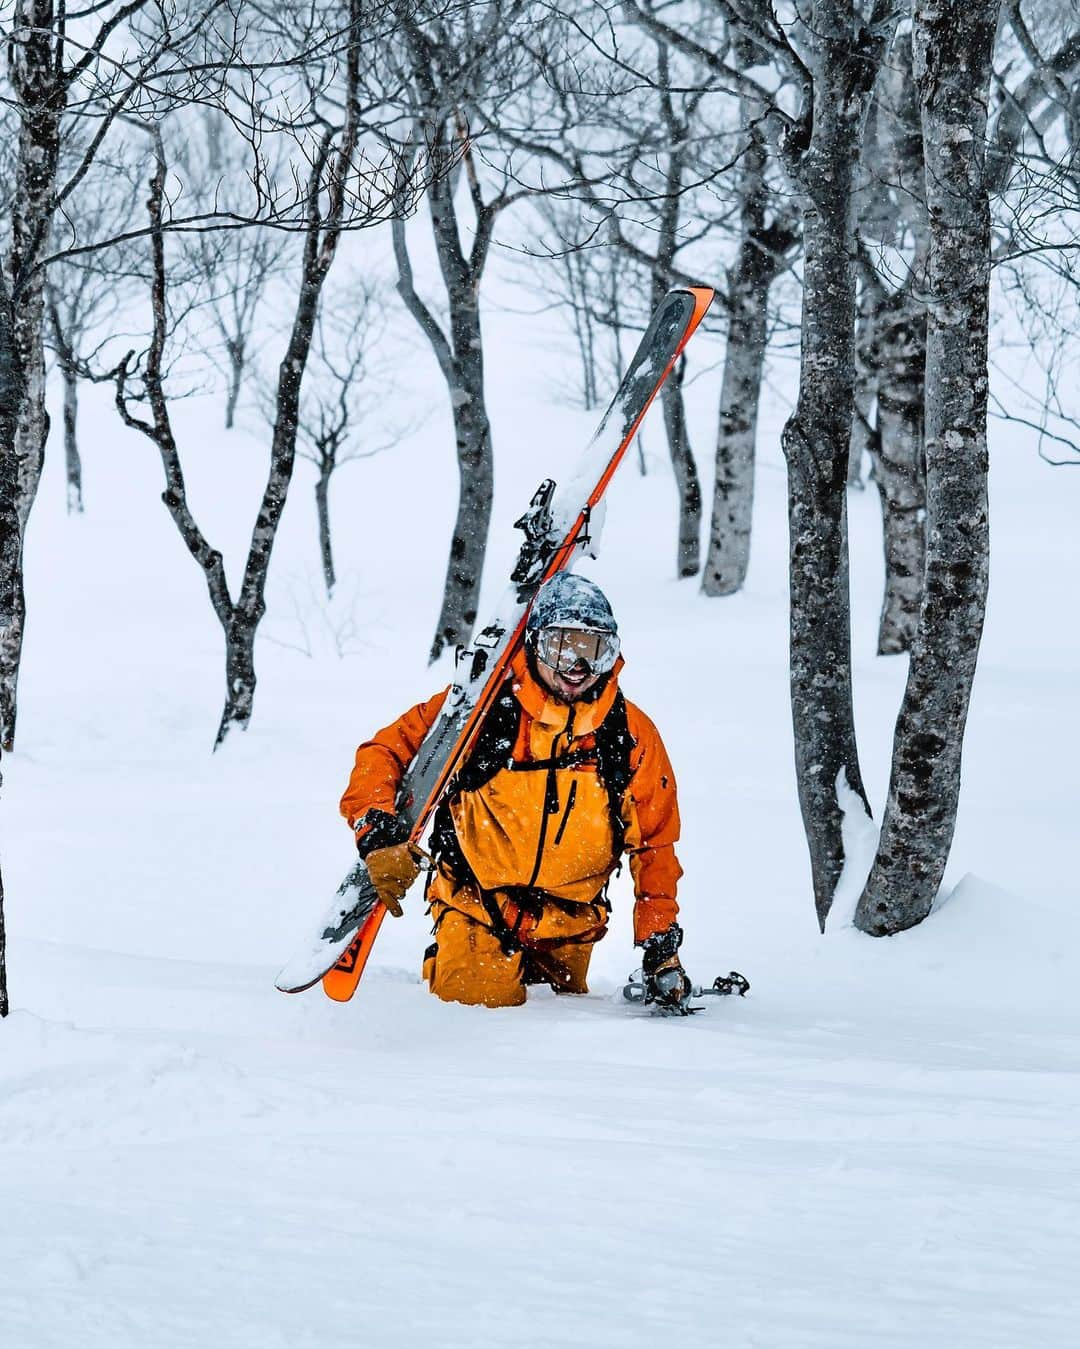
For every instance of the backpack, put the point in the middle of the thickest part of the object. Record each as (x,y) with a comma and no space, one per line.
(492,750)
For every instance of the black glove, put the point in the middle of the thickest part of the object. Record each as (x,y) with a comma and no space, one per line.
(666,981)
(379,829)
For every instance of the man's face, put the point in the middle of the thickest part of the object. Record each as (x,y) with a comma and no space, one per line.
(572,685)
(571,660)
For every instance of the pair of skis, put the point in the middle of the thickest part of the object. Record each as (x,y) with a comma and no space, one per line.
(558,525)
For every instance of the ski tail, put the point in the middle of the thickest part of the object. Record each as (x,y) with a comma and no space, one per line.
(341,981)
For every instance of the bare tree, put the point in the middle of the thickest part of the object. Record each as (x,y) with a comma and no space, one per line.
(84,71)
(346,390)
(331,204)
(767,232)
(830,60)
(82,297)
(457,67)
(647,177)
(236,266)
(953,46)
(893,226)
(842,55)
(239,264)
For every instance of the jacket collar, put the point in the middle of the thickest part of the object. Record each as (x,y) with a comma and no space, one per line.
(549,711)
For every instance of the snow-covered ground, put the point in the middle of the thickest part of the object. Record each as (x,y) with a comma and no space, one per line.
(877,1148)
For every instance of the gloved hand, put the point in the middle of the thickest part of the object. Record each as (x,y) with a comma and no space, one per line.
(666,982)
(392,870)
(378,829)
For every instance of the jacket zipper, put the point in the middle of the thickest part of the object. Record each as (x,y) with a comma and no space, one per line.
(551,798)
(566,812)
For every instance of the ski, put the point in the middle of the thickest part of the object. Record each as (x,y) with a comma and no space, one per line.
(559,524)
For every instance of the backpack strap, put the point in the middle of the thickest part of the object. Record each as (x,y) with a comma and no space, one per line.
(613,746)
(494,747)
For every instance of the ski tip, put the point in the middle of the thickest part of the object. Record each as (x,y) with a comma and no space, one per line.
(703,298)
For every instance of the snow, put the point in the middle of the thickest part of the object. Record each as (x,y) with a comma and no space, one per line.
(877,1147)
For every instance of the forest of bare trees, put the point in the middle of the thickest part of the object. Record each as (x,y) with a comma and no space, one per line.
(178,179)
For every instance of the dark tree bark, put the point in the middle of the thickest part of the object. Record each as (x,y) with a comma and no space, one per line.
(953,47)
(10,572)
(817,437)
(327,202)
(892,337)
(687,482)
(460,354)
(820,149)
(760,253)
(322,511)
(897,453)
(688,553)
(863,433)
(235,350)
(69,373)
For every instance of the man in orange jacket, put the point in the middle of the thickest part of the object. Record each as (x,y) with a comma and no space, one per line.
(564,777)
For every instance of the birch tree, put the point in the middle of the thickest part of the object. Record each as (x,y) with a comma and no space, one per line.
(830,61)
(952,43)
(767,233)
(891,346)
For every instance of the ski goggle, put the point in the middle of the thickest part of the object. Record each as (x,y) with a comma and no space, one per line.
(561,649)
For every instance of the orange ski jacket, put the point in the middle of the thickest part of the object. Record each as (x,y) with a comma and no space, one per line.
(513,833)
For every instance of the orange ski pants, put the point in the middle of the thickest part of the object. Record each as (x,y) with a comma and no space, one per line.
(469,965)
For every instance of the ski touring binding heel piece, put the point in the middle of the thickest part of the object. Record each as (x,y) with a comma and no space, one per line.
(640,990)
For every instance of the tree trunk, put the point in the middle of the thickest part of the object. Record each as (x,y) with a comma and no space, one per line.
(239,675)
(72,459)
(9,528)
(863,434)
(688,552)
(461,360)
(322,509)
(40,93)
(577,287)
(816,444)
(236,375)
(31,432)
(476,477)
(326,206)
(953,48)
(748,280)
(897,453)
(728,556)
(64,345)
